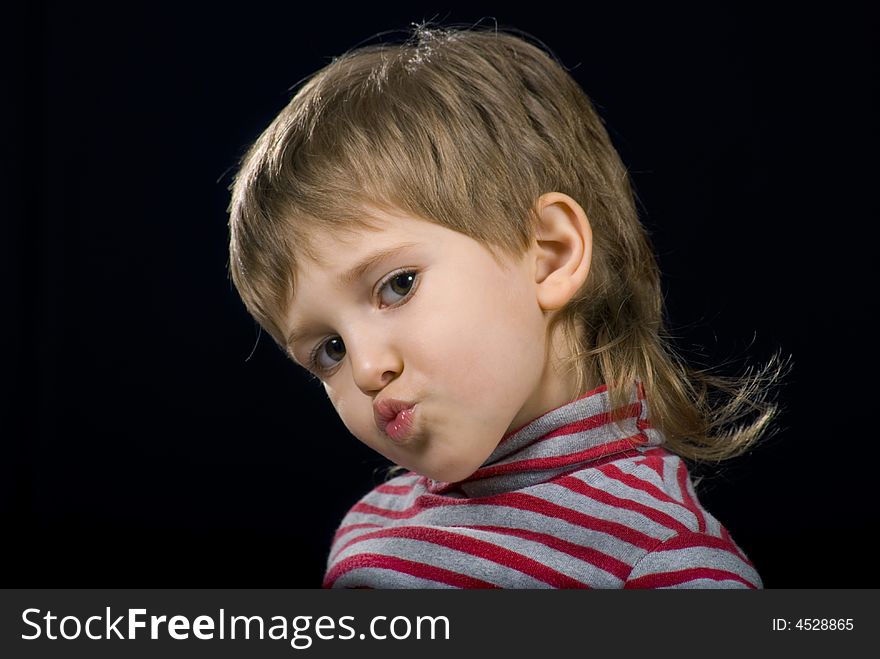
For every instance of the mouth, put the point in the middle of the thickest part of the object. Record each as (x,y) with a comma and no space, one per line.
(396,419)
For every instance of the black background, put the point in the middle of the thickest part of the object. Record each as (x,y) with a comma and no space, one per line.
(149,439)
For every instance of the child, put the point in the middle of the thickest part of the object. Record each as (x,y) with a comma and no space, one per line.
(442,232)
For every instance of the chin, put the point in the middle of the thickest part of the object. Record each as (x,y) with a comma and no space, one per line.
(449,473)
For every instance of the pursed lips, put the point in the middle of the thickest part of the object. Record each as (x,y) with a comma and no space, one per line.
(387,409)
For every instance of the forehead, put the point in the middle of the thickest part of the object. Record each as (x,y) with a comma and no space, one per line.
(333,248)
(338,252)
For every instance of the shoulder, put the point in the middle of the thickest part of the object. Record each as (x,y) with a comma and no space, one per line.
(694,560)
(653,495)
(388,499)
(697,553)
(654,485)
(379,508)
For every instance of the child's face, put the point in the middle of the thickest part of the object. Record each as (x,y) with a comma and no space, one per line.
(438,324)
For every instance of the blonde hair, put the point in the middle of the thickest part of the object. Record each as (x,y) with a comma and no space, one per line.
(467,128)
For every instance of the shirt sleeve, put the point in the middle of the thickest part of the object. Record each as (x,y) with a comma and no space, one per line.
(694,560)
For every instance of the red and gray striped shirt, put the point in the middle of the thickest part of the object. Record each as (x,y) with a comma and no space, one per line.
(571,500)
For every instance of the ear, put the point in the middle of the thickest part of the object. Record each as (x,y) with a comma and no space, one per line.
(563,249)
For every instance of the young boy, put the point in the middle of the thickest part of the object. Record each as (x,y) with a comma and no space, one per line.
(442,232)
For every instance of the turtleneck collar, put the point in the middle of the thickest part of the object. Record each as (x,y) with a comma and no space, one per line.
(566,439)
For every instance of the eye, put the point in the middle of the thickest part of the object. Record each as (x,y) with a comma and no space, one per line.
(398,286)
(327,355)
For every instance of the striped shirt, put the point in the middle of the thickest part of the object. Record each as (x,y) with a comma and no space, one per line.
(570,500)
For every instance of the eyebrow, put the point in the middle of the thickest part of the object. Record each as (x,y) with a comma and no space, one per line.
(355,273)
(352,275)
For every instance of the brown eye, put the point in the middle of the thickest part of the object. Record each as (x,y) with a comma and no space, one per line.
(398,287)
(401,284)
(329,354)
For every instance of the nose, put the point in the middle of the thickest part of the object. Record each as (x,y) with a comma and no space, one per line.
(374,362)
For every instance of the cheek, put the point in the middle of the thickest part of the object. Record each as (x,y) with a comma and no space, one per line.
(488,342)
(358,419)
